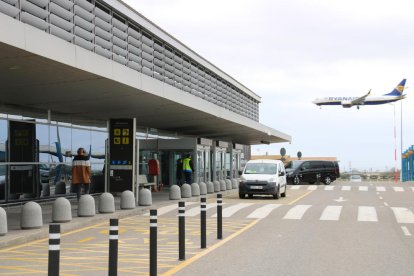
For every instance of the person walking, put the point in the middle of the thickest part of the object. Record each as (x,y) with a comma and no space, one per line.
(179,172)
(81,172)
(188,168)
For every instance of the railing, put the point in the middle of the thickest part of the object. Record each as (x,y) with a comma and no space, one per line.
(99,28)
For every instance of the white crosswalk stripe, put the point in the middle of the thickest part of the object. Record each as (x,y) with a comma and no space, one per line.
(398,189)
(312,188)
(196,210)
(403,215)
(297,212)
(331,213)
(380,189)
(263,211)
(166,209)
(329,188)
(346,188)
(363,188)
(229,211)
(367,213)
(296,187)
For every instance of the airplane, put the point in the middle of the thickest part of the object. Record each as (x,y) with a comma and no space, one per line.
(347,102)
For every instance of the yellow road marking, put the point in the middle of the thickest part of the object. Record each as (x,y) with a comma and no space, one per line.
(205,252)
(299,198)
(86,240)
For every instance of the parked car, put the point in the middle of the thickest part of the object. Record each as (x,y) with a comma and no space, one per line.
(263,177)
(355,178)
(312,171)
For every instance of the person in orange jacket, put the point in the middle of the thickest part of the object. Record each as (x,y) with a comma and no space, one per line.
(81,172)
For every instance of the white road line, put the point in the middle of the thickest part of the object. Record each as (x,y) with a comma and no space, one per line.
(403,215)
(312,188)
(229,211)
(363,188)
(405,231)
(166,209)
(386,204)
(329,188)
(398,189)
(367,213)
(196,210)
(346,188)
(412,188)
(380,189)
(331,213)
(380,197)
(263,211)
(296,187)
(297,212)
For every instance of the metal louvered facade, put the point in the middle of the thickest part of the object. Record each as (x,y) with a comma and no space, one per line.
(99,28)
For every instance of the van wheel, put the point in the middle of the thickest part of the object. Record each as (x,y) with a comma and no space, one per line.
(327,180)
(241,196)
(276,195)
(284,193)
(296,180)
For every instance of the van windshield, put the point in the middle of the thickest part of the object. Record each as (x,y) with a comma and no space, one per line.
(293,165)
(260,168)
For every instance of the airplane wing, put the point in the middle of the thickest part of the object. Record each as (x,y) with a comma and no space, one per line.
(360,100)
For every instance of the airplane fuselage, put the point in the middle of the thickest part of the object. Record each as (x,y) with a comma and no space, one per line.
(345,101)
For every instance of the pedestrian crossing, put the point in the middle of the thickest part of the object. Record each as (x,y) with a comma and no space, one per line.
(351,188)
(296,212)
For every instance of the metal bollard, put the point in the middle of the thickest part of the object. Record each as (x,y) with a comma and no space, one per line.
(181,230)
(54,250)
(203,218)
(219,216)
(153,242)
(113,247)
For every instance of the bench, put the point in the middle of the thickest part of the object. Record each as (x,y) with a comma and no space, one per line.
(143,182)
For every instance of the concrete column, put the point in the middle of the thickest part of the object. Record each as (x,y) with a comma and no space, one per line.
(185,191)
(106,203)
(216,186)
(195,189)
(3,222)
(61,210)
(145,197)
(86,206)
(203,188)
(127,200)
(31,217)
(175,192)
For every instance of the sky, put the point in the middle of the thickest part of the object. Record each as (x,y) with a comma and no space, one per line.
(292,51)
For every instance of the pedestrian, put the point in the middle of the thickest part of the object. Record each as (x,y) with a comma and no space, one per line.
(81,172)
(188,168)
(179,171)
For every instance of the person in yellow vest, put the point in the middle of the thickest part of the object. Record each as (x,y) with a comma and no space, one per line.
(81,172)
(188,168)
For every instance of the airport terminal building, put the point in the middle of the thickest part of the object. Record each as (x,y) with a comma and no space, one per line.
(97,74)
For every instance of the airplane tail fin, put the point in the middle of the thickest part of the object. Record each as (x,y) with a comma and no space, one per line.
(398,91)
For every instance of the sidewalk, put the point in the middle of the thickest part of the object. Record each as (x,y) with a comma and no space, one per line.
(17,236)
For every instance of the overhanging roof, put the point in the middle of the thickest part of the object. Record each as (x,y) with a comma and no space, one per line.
(40,72)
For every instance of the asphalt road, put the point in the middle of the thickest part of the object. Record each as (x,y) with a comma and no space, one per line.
(341,229)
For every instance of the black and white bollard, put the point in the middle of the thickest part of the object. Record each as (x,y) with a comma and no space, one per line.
(219,216)
(153,242)
(203,223)
(181,230)
(54,250)
(113,247)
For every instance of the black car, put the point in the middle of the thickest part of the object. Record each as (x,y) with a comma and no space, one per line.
(312,171)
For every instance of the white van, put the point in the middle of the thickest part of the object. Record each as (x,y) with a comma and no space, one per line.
(263,177)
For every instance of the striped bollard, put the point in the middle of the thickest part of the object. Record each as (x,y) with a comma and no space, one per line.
(203,218)
(113,247)
(219,216)
(54,250)
(153,242)
(181,230)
